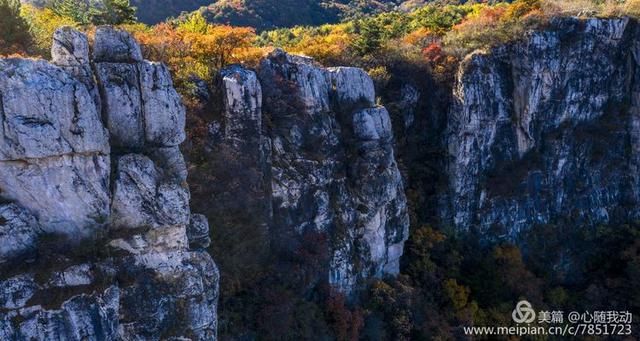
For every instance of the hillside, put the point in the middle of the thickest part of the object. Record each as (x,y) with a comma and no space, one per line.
(155,11)
(261,14)
(266,14)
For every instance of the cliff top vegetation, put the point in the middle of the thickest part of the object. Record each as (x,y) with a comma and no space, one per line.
(432,35)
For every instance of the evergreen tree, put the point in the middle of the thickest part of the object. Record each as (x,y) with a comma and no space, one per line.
(14,30)
(370,36)
(77,10)
(96,12)
(114,12)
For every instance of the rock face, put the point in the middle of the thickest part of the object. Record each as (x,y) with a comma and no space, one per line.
(323,154)
(99,209)
(52,140)
(546,130)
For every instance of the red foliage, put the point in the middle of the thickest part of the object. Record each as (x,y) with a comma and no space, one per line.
(433,52)
(345,323)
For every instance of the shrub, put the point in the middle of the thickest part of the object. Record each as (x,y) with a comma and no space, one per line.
(42,24)
(439,19)
(194,48)
(105,12)
(14,30)
(489,26)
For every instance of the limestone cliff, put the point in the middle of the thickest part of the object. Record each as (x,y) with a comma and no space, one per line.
(97,241)
(546,130)
(323,161)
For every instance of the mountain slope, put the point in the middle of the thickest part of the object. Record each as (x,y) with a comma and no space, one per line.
(155,11)
(265,14)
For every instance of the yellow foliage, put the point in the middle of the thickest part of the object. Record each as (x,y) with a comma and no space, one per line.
(195,23)
(43,22)
(458,294)
(420,37)
(194,47)
(327,47)
(632,7)
(380,75)
(220,45)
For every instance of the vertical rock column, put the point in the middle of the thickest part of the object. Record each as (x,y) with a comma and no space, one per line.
(328,162)
(131,265)
(150,199)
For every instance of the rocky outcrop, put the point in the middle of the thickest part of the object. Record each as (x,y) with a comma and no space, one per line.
(52,140)
(323,159)
(546,130)
(95,224)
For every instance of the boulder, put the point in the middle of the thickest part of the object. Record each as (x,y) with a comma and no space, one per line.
(116,46)
(198,232)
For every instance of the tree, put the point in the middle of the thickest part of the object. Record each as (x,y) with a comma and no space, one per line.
(439,19)
(102,12)
(114,12)
(370,37)
(194,23)
(14,30)
(77,10)
(218,46)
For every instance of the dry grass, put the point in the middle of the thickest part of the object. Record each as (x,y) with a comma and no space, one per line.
(586,8)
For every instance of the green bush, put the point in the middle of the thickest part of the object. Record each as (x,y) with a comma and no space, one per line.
(14,30)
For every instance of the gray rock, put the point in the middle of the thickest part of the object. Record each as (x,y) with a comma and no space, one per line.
(122,103)
(139,281)
(70,47)
(16,291)
(178,286)
(353,88)
(326,158)
(19,231)
(70,51)
(75,275)
(83,317)
(537,131)
(300,74)
(142,198)
(198,232)
(372,124)
(117,46)
(242,101)
(52,134)
(408,104)
(141,106)
(171,162)
(164,115)
(69,194)
(45,112)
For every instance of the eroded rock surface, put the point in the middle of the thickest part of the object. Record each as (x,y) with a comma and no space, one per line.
(324,161)
(545,131)
(99,209)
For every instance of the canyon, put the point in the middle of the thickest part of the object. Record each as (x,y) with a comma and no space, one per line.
(97,237)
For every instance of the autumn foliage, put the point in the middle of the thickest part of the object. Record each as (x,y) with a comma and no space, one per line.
(195,48)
